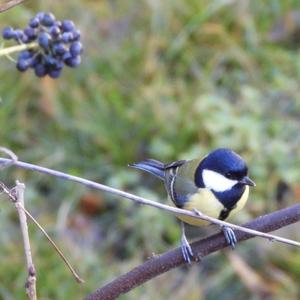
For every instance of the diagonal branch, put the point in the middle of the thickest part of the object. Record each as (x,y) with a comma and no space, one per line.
(20,207)
(172,259)
(59,252)
(141,200)
(9,4)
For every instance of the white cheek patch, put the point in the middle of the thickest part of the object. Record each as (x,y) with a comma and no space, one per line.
(216,181)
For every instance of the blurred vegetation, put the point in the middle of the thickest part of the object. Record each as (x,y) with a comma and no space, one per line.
(162,79)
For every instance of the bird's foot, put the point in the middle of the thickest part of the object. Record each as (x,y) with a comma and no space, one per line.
(229,236)
(186,249)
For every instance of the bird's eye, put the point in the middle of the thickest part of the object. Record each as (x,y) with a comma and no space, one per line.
(229,175)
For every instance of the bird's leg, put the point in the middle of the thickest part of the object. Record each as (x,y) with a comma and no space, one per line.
(229,236)
(228,233)
(186,249)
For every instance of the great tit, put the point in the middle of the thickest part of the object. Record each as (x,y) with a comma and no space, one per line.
(217,186)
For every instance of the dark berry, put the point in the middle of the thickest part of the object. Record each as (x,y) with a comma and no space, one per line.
(18,35)
(25,39)
(49,60)
(75,35)
(54,31)
(31,33)
(66,56)
(35,61)
(76,48)
(23,65)
(59,49)
(25,54)
(8,33)
(34,22)
(55,73)
(67,25)
(58,23)
(73,61)
(40,16)
(48,19)
(66,37)
(40,70)
(53,63)
(59,65)
(44,40)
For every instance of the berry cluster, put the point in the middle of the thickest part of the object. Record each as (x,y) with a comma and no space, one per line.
(57,45)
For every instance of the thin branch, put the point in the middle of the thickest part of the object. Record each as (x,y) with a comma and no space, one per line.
(77,277)
(162,263)
(17,48)
(9,4)
(13,198)
(31,279)
(143,201)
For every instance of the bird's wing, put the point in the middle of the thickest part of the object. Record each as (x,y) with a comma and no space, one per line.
(180,182)
(174,164)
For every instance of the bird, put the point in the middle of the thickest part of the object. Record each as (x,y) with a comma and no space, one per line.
(216,185)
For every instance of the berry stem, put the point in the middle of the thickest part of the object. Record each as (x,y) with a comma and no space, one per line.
(18,48)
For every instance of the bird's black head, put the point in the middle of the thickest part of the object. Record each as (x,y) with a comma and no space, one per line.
(221,170)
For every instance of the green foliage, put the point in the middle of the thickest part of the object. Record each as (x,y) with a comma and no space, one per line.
(161,79)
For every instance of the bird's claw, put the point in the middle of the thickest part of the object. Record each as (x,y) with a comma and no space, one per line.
(186,250)
(229,236)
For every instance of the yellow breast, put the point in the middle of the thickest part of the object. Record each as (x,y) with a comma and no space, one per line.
(206,202)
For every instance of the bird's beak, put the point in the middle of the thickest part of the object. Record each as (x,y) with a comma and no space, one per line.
(247,181)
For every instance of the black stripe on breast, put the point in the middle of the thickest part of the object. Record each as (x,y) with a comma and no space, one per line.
(225,213)
(231,197)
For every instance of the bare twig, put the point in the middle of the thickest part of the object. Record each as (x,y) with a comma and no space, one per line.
(143,201)
(31,279)
(9,50)
(77,277)
(9,4)
(162,263)
(13,198)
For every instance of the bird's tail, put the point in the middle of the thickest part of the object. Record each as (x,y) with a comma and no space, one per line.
(151,166)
